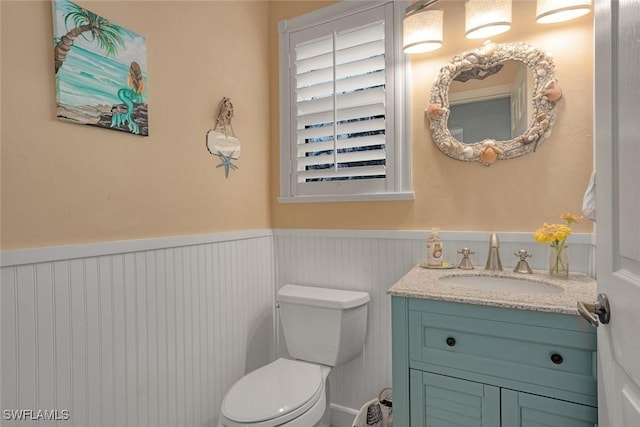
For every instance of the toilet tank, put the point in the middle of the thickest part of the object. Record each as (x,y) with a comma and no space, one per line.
(321,325)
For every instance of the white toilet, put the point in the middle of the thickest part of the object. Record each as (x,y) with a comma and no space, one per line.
(322,328)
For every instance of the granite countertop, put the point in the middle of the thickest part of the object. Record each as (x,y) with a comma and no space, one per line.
(425,283)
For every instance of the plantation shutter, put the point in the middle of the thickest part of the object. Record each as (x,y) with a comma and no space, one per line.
(341,106)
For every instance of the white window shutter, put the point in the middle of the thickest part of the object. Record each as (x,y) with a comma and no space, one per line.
(341,105)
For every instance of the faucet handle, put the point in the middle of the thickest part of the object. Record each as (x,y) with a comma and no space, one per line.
(465,262)
(522,254)
(522,266)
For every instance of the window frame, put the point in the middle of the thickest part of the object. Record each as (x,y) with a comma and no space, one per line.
(398,144)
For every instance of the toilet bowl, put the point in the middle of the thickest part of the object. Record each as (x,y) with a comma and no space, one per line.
(322,328)
(289,392)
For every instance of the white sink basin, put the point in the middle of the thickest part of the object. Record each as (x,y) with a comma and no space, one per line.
(501,284)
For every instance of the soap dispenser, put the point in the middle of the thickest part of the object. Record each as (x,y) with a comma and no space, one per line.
(434,249)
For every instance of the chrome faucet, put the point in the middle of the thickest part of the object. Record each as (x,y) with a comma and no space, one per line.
(493,260)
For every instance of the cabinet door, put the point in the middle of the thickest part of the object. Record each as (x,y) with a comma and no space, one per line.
(441,401)
(528,410)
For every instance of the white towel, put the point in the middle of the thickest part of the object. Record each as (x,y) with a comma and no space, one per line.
(373,413)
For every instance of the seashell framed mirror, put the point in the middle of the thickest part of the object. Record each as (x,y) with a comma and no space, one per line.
(494,103)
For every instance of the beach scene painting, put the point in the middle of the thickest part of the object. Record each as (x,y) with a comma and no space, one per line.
(100,69)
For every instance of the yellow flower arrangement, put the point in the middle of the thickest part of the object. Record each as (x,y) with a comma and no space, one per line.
(552,233)
(556,235)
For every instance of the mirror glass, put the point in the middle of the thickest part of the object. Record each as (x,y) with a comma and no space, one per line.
(494,103)
(495,106)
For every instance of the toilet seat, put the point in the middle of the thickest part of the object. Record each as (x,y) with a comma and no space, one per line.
(274,394)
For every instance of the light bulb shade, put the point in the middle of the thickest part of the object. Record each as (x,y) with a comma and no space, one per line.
(486,18)
(422,31)
(551,11)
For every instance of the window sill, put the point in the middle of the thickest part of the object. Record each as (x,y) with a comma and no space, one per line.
(377,197)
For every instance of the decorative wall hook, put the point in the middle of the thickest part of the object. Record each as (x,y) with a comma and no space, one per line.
(221,141)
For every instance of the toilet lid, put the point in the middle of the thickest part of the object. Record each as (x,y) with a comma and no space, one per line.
(273,391)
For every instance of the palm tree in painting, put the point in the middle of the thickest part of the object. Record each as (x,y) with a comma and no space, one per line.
(105,33)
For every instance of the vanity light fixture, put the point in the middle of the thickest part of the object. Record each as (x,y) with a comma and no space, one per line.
(422,28)
(552,11)
(486,18)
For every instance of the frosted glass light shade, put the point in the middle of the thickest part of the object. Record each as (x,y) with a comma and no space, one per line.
(486,18)
(551,11)
(422,31)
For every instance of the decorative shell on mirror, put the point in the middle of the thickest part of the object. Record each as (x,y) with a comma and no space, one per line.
(484,61)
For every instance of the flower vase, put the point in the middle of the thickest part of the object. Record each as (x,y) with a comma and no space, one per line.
(559,261)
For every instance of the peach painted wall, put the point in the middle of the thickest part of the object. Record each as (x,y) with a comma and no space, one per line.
(64,183)
(512,195)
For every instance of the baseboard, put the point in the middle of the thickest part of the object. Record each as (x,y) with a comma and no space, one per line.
(342,416)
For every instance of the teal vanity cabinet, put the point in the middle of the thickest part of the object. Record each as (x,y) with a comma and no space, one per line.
(459,364)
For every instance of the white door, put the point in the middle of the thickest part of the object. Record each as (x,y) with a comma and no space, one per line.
(617,135)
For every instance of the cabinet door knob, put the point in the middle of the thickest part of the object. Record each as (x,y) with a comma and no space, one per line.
(556,358)
(451,341)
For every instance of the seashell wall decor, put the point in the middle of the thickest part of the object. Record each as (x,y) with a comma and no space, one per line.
(221,141)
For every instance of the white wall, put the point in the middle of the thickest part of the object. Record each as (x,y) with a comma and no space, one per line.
(140,333)
(154,332)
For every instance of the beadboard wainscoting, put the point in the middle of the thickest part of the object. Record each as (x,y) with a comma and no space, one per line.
(373,261)
(136,333)
(153,332)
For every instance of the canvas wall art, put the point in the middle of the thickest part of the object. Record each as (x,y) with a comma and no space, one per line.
(101,71)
